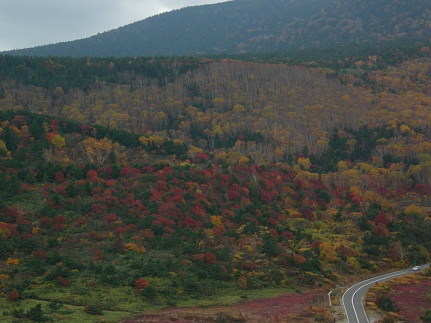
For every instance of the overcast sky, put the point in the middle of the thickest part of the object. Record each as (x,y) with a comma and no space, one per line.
(29,23)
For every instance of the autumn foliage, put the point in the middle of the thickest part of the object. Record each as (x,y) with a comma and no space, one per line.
(141,283)
(230,175)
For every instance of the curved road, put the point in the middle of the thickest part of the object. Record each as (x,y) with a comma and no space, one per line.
(352,298)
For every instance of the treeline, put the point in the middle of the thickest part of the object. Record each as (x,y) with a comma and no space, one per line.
(83,73)
(67,72)
(341,58)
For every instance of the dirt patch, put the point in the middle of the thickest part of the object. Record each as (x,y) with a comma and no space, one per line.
(302,307)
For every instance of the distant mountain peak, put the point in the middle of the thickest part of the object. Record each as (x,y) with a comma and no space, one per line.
(255,26)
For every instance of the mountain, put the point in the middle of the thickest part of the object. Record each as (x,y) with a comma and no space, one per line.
(256,26)
(136,184)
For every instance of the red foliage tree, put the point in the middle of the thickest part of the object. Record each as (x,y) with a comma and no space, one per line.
(422,189)
(298,259)
(249,265)
(233,194)
(45,221)
(273,233)
(189,222)
(59,177)
(267,196)
(288,235)
(54,124)
(210,258)
(380,230)
(199,257)
(218,230)
(92,175)
(13,295)
(111,217)
(63,282)
(141,283)
(381,218)
(128,171)
(344,251)
(110,183)
(19,120)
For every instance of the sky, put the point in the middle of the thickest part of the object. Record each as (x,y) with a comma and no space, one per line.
(29,23)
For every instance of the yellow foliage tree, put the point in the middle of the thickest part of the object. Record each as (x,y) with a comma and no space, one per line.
(327,252)
(304,163)
(58,141)
(243,160)
(216,220)
(96,151)
(134,247)
(12,261)
(4,153)
(415,210)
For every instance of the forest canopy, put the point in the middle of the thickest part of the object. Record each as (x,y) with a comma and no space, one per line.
(165,180)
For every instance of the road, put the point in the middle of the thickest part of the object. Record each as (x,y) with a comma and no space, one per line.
(352,298)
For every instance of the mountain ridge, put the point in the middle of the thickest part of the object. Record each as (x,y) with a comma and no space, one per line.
(251,26)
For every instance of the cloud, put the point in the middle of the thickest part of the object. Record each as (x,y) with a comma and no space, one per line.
(29,23)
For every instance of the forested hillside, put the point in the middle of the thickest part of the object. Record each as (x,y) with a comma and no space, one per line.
(134,184)
(257,26)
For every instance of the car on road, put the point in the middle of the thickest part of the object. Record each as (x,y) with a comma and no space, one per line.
(416,268)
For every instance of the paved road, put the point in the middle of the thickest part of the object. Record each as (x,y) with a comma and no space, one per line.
(352,298)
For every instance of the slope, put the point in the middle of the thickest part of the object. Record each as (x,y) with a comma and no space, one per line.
(251,26)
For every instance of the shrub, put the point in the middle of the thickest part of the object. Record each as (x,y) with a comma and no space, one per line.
(13,295)
(62,282)
(149,293)
(141,283)
(54,305)
(36,314)
(18,313)
(426,317)
(387,304)
(93,309)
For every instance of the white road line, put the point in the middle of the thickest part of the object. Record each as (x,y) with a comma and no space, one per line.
(370,282)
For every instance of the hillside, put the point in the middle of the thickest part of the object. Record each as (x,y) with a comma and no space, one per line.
(131,185)
(256,26)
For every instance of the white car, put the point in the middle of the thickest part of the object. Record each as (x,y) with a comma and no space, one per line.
(416,268)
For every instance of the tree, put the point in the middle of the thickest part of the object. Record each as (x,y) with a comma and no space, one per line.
(93,309)
(210,258)
(11,139)
(270,247)
(141,283)
(327,252)
(36,314)
(96,151)
(58,141)
(13,295)
(4,152)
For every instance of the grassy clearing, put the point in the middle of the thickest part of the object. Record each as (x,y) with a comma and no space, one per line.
(56,313)
(232,296)
(65,306)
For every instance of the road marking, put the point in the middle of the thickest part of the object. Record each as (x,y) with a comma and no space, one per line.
(371,282)
(375,280)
